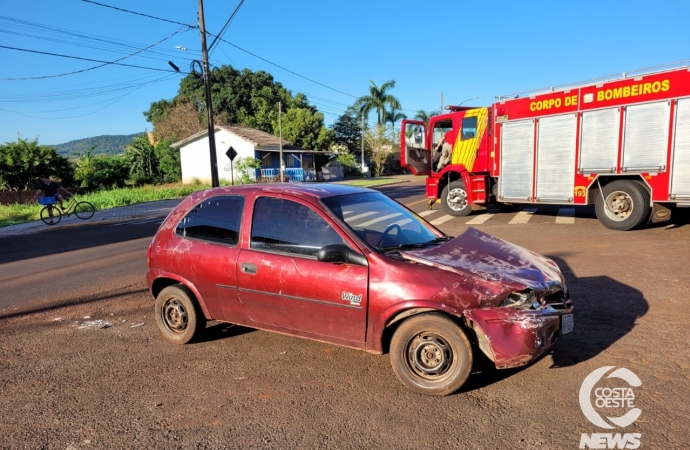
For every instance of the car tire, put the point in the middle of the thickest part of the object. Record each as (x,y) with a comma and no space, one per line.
(178,315)
(454,199)
(623,206)
(431,355)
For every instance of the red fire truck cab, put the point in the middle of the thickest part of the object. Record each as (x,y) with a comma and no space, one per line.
(622,145)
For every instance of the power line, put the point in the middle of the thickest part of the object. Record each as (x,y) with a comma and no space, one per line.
(140,14)
(283,68)
(222,30)
(85,59)
(95,67)
(166,77)
(76,93)
(56,35)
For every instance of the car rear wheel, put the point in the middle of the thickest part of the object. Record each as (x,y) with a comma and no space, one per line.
(178,316)
(454,199)
(431,355)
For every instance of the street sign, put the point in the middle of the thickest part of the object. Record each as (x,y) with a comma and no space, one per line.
(231,153)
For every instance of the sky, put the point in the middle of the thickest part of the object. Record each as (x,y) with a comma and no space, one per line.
(329,50)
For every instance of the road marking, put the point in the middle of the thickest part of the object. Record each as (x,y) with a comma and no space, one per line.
(428,212)
(442,219)
(359,216)
(415,203)
(523,216)
(480,219)
(378,219)
(566,216)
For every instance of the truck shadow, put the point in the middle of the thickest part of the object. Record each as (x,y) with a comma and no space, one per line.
(605,312)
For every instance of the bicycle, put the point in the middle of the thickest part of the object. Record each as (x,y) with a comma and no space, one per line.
(52,213)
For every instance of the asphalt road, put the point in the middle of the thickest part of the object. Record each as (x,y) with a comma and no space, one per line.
(83,366)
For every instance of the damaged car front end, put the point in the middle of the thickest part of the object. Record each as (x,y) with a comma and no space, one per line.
(522,303)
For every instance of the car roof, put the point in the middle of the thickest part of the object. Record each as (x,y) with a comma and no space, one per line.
(305,191)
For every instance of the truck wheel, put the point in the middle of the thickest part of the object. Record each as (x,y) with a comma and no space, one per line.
(623,206)
(178,316)
(431,355)
(454,199)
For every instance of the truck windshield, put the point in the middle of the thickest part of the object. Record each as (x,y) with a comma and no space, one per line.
(379,221)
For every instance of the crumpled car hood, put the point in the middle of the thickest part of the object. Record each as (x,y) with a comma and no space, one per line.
(497,266)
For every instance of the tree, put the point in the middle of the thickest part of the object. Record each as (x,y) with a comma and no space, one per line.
(348,130)
(169,168)
(394,116)
(101,172)
(143,163)
(378,99)
(24,161)
(304,128)
(180,121)
(245,166)
(424,116)
(380,145)
(349,162)
(246,98)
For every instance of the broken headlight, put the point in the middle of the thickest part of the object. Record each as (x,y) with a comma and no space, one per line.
(521,300)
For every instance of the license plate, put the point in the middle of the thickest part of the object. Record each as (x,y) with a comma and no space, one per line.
(567,323)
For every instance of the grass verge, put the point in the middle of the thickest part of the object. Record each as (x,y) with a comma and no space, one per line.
(14,214)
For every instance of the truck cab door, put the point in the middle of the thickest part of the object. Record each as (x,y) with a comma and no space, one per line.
(414,151)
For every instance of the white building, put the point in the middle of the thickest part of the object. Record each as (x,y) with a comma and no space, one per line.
(195,157)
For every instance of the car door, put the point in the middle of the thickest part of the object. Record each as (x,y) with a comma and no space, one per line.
(208,247)
(281,282)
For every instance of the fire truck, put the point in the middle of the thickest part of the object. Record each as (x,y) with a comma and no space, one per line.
(622,145)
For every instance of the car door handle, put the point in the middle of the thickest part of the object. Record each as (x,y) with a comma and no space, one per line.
(249,268)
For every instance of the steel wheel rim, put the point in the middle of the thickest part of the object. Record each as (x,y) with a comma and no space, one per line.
(457,199)
(429,356)
(619,206)
(175,315)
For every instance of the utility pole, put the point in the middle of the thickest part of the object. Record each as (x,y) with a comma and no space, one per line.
(209,106)
(363,145)
(280,132)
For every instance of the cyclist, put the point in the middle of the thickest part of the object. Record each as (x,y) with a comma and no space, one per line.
(50,188)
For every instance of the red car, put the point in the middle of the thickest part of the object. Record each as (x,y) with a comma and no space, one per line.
(352,267)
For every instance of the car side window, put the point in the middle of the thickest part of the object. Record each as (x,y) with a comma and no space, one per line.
(216,219)
(285,226)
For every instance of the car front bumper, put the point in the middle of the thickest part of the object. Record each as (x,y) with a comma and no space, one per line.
(512,337)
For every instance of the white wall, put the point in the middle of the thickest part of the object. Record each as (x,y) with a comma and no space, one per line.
(195,158)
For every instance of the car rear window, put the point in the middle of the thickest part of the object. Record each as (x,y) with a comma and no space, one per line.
(216,219)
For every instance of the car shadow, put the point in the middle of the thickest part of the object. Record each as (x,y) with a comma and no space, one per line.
(605,311)
(220,330)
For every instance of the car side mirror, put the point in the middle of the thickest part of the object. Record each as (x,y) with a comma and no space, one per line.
(339,253)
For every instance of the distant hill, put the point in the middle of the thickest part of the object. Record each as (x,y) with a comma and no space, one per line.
(106,144)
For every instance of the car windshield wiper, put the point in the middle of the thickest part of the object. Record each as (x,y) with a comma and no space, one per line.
(420,245)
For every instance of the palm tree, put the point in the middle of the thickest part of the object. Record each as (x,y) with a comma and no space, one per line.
(393,116)
(378,99)
(424,116)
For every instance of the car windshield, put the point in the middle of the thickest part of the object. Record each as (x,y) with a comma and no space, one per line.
(381,222)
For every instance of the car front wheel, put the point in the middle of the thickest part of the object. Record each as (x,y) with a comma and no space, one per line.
(177,314)
(431,355)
